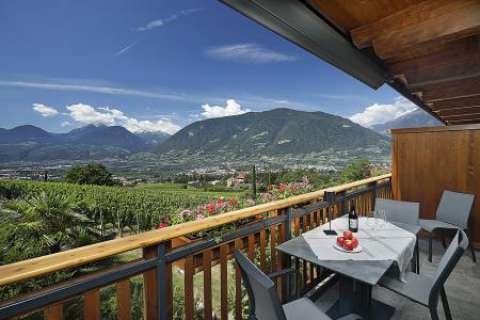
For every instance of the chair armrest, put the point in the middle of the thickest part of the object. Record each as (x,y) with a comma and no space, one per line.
(281,273)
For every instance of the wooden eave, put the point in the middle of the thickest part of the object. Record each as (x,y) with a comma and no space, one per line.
(427,50)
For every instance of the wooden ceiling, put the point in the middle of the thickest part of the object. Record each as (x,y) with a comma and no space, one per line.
(429,48)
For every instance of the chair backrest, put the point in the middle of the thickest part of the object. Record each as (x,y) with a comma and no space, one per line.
(455,208)
(399,211)
(263,298)
(448,262)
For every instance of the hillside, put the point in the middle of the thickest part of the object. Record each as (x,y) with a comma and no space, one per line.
(29,143)
(275,132)
(114,136)
(26,133)
(154,138)
(414,119)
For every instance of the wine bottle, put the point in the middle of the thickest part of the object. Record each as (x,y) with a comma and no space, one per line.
(352,218)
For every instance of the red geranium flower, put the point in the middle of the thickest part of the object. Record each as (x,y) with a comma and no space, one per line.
(211,208)
(282,187)
(162,225)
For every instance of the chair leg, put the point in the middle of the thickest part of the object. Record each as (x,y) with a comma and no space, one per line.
(417,257)
(297,278)
(472,249)
(444,243)
(446,307)
(430,247)
(413,263)
(415,260)
(474,258)
(434,314)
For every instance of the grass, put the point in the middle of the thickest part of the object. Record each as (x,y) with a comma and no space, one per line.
(198,287)
(178,282)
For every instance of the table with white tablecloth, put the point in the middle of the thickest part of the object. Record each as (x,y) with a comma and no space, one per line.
(384,246)
(379,241)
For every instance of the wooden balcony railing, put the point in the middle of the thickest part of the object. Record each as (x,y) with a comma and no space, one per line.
(276,222)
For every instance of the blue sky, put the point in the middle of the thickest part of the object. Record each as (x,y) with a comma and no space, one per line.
(158,65)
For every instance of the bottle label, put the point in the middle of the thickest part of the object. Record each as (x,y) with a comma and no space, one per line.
(353,224)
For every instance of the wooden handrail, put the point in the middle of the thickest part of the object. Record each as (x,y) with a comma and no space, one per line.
(41,266)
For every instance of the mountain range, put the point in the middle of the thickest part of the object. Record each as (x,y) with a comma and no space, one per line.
(414,119)
(270,133)
(30,143)
(274,132)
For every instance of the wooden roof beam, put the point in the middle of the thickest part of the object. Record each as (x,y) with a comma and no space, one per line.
(403,90)
(461,116)
(416,25)
(461,60)
(363,36)
(464,88)
(458,112)
(465,121)
(455,103)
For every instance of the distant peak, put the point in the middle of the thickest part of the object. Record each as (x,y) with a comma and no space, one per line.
(283,110)
(26,126)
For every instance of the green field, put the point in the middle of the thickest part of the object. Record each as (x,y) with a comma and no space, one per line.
(117,209)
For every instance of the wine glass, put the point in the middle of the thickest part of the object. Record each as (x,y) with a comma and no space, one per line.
(381,218)
(371,220)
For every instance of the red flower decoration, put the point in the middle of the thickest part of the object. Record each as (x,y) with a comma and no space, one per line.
(162,225)
(211,208)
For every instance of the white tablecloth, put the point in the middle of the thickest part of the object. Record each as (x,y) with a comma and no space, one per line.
(379,242)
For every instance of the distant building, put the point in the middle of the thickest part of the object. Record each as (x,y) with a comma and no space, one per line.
(194,183)
(235,182)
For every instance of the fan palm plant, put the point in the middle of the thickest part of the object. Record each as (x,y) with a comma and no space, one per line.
(45,223)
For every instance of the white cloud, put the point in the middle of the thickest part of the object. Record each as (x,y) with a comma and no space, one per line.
(66,124)
(44,110)
(102,87)
(98,89)
(381,113)
(125,49)
(161,125)
(152,25)
(232,108)
(248,52)
(163,21)
(86,114)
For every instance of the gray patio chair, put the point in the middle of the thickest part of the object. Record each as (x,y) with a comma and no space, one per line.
(453,212)
(264,301)
(425,290)
(405,215)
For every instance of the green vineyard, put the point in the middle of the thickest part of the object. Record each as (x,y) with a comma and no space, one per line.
(120,208)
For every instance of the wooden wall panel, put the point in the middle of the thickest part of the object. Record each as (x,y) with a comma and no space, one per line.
(474,180)
(430,160)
